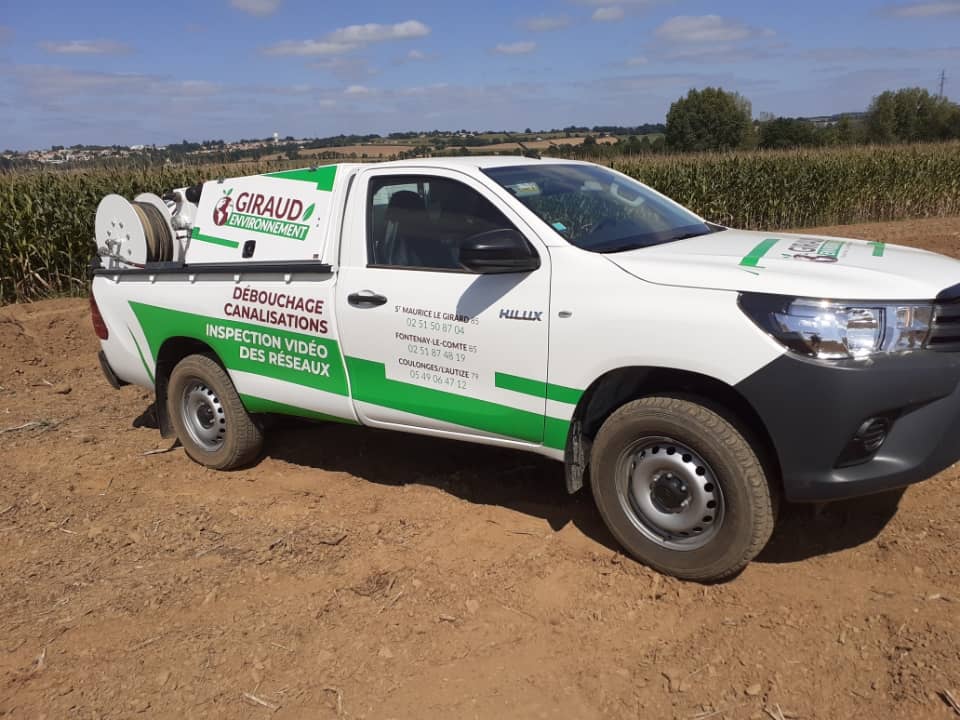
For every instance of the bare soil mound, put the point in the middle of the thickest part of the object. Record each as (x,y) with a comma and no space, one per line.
(362,574)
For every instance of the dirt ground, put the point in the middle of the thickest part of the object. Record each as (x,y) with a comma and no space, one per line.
(362,574)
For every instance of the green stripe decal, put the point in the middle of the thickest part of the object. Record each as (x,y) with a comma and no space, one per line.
(272,352)
(537,388)
(555,433)
(322,177)
(142,358)
(195,234)
(559,393)
(370,384)
(878,248)
(753,258)
(262,405)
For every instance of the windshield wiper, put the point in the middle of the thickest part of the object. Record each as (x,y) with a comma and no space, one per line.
(686,236)
(650,242)
(619,248)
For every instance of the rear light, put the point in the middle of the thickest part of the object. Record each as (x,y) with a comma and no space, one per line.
(99,326)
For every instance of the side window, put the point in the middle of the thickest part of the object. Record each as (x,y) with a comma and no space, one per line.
(420,221)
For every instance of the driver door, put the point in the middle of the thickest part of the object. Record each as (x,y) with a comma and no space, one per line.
(428,345)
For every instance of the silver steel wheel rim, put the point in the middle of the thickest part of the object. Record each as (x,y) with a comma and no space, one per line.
(669,493)
(203,416)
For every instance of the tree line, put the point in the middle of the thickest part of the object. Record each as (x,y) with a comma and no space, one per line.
(713,119)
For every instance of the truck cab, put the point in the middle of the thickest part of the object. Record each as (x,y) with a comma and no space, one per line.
(691,374)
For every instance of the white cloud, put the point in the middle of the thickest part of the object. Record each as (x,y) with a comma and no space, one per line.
(637,61)
(926,9)
(256,7)
(711,39)
(309,47)
(5,33)
(375,32)
(706,29)
(56,85)
(358,90)
(516,48)
(608,14)
(85,47)
(546,23)
(669,83)
(423,89)
(722,54)
(352,37)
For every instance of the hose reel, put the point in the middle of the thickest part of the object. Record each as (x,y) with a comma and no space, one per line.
(135,233)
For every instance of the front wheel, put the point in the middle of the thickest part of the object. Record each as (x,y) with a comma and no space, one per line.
(208,415)
(681,489)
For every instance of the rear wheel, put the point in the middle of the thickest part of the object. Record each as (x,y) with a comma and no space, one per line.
(681,489)
(208,416)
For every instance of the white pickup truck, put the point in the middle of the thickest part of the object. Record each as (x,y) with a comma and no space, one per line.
(690,373)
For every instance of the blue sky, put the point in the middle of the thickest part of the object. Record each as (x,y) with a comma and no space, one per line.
(135,72)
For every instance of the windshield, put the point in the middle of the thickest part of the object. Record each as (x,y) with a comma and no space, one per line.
(596,209)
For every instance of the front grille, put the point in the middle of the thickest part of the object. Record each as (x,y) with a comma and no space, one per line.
(945,331)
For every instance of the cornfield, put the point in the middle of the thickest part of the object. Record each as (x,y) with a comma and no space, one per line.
(46,218)
(776,190)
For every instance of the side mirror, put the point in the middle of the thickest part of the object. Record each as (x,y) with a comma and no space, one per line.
(498,251)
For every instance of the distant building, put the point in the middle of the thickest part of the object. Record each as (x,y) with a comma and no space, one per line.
(828,120)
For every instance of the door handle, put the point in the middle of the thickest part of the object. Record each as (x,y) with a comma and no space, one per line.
(366,299)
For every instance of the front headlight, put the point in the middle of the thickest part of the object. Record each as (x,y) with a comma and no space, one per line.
(831,330)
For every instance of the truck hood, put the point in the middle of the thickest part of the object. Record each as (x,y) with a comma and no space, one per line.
(789,264)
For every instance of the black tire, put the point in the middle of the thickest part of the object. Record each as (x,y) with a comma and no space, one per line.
(724,472)
(210,420)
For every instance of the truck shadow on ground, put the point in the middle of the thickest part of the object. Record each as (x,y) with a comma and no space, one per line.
(805,531)
(484,475)
(529,484)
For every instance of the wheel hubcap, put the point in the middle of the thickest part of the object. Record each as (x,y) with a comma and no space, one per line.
(203,416)
(670,493)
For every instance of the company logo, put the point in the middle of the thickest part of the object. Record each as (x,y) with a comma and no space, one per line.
(221,211)
(270,206)
(532,315)
(827,251)
(268,214)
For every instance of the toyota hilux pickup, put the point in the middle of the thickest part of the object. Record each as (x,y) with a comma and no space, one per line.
(691,374)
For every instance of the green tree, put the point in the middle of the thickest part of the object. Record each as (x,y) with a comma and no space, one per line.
(847,132)
(911,115)
(787,133)
(709,119)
